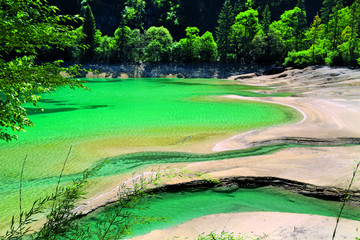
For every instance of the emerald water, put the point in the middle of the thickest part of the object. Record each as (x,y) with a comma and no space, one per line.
(179,207)
(120,116)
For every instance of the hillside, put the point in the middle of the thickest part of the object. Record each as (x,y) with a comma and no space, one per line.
(199,13)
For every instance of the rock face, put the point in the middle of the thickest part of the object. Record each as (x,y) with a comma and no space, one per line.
(171,70)
(229,184)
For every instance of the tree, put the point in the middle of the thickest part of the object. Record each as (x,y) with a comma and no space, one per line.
(300,25)
(122,38)
(291,28)
(267,47)
(187,50)
(243,32)
(326,11)
(354,41)
(266,21)
(25,28)
(89,30)
(248,23)
(105,49)
(239,6)
(343,35)
(136,46)
(160,42)
(133,14)
(333,25)
(225,21)
(208,48)
(300,4)
(314,35)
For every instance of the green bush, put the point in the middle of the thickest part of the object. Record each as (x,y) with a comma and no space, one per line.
(334,58)
(313,55)
(298,59)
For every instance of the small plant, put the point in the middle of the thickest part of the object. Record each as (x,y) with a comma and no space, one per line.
(346,198)
(223,236)
(62,222)
(59,205)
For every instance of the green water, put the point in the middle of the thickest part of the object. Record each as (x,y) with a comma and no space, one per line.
(118,115)
(179,207)
(131,162)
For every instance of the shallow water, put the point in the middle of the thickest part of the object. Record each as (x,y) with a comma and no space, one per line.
(179,207)
(119,114)
(131,113)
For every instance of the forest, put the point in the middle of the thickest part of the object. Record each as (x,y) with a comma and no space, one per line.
(234,31)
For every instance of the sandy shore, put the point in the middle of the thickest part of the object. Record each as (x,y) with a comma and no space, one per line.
(263,225)
(329,100)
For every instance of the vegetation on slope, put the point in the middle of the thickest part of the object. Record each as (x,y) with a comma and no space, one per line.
(236,32)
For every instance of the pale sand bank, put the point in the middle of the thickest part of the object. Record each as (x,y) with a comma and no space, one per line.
(265,225)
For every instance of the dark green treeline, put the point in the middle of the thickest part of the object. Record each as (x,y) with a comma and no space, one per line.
(245,31)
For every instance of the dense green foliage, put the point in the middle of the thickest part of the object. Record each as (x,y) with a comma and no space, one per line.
(26,29)
(246,32)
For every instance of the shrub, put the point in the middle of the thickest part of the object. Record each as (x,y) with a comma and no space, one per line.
(298,59)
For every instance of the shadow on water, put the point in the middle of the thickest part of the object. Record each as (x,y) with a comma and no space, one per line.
(35,111)
(95,106)
(48,100)
(108,80)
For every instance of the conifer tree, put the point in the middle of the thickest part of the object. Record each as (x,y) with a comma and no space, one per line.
(122,37)
(89,29)
(300,4)
(333,28)
(355,19)
(266,21)
(314,34)
(225,21)
(239,6)
(326,11)
(300,25)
